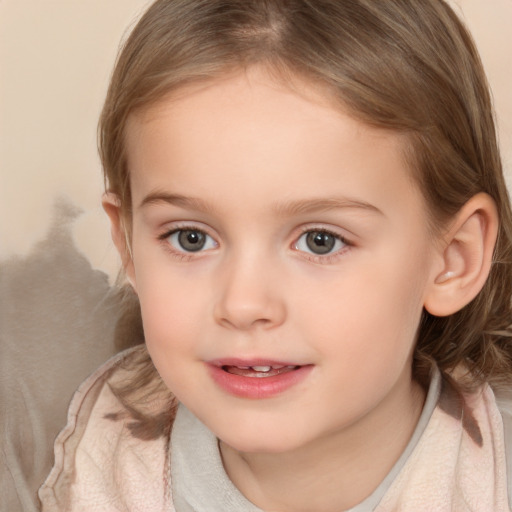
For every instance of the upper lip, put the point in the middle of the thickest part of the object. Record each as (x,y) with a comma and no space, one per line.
(239,362)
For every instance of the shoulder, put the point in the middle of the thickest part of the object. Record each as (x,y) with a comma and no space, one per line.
(488,413)
(504,402)
(100,461)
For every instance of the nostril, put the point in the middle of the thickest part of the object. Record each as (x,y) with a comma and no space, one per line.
(243,323)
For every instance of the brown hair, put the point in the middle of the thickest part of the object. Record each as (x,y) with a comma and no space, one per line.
(403,65)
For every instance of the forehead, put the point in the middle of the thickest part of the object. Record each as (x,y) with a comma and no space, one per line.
(250,131)
(267,101)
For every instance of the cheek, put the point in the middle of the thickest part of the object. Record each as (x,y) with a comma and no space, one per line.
(171,330)
(370,314)
(366,338)
(173,313)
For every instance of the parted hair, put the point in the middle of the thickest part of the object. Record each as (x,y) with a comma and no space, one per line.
(409,66)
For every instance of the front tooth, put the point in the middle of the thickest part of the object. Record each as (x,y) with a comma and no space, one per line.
(261,368)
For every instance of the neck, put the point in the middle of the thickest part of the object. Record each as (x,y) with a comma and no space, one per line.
(334,472)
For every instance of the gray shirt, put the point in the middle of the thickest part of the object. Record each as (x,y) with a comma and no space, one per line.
(200,483)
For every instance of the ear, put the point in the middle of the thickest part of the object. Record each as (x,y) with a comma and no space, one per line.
(466,253)
(118,229)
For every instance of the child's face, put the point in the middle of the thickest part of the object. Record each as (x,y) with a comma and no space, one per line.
(270,229)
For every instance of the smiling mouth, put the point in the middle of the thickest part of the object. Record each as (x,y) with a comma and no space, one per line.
(259,371)
(257,379)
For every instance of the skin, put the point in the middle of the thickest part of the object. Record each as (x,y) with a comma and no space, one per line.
(254,165)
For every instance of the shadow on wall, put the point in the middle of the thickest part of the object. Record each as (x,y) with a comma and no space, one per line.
(59,320)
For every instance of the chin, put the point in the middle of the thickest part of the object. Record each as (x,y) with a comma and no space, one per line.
(263,430)
(259,442)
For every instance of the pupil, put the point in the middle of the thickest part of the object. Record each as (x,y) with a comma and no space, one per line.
(192,240)
(319,242)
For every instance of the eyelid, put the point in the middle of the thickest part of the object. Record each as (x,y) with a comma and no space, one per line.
(186,226)
(322,258)
(174,240)
(182,225)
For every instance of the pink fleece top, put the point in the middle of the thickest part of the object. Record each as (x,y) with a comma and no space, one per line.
(455,460)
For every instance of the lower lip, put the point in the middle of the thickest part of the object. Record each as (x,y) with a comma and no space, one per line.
(258,387)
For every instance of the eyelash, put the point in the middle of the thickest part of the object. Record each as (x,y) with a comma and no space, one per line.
(184,255)
(323,258)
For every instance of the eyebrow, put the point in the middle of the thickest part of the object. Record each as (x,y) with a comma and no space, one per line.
(323,204)
(192,203)
(288,208)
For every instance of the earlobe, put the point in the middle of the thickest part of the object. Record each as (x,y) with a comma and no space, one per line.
(466,257)
(112,206)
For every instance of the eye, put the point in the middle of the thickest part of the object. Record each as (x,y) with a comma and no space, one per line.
(190,240)
(320,242)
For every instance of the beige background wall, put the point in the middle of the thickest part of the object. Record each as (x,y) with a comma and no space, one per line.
(55,59)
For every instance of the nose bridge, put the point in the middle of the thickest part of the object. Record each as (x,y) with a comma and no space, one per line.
(250,293)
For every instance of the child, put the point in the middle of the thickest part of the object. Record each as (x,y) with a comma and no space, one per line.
(309,203)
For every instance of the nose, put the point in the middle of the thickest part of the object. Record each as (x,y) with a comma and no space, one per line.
(250,296)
